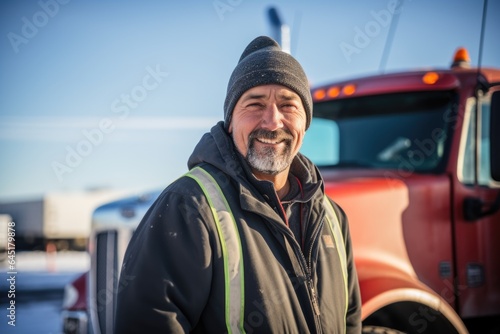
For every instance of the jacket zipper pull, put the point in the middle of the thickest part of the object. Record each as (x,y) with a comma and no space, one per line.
(314,298)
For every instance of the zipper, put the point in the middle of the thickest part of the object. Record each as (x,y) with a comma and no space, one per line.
(306,267)
(314,298)
(314,295)
(305,264)
(314,237)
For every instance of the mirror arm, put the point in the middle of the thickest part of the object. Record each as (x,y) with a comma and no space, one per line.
(473,208)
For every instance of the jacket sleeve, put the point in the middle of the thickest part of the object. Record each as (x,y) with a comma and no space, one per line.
(353,317)
(166,274)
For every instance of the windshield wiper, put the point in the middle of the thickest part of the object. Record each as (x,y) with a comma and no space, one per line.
(392,151)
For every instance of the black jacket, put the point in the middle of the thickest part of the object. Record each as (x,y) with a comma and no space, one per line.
(172,275)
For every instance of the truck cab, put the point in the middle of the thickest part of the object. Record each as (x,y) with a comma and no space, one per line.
(413,160)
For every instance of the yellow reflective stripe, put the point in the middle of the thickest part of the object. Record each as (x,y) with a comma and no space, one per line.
(334,224)
(231,249)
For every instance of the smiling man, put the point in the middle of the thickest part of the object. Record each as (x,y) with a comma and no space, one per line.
(267,126)
(246,241)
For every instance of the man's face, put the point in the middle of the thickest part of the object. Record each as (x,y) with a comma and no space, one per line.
(268,125)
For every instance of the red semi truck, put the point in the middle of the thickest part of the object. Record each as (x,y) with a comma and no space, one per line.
(414,160)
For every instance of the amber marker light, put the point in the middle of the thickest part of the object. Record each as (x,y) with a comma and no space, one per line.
(319,94)
(461,58)
(349,89)
(461,55)
(430,78)
(333,92)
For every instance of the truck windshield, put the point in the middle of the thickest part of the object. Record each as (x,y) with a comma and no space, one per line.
(407,131)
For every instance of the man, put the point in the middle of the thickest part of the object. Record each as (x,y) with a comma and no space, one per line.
(246,241)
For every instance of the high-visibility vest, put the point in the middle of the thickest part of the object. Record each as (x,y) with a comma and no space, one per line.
(232,254)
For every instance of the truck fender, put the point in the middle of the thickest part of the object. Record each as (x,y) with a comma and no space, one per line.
(402,302)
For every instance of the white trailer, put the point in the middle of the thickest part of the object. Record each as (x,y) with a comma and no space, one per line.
(69,215)
(63,218)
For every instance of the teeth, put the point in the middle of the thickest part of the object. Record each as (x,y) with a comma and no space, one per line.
(269,141)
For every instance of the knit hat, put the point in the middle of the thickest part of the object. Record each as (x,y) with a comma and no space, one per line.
(263,63)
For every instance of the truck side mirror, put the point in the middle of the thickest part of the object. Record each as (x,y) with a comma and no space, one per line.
(495,136)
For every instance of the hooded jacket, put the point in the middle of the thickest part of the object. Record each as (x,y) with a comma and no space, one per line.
(172,274)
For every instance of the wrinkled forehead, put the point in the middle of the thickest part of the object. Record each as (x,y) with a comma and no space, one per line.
(278,92)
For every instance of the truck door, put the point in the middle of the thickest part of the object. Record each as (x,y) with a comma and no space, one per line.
(477,236)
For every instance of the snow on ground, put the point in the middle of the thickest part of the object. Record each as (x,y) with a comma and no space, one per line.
(50,262)
(37,271)
(34,288)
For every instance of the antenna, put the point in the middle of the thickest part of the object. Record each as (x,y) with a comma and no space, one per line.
(481,39)
(390,35)
(481,84)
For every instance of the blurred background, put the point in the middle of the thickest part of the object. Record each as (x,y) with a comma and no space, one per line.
(151,76)
(103,99)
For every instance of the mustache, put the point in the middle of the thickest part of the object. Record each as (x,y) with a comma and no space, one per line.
(280,134)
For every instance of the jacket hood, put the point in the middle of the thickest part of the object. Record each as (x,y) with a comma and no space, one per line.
(217,148)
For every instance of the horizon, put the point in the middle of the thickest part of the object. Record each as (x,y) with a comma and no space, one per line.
(116,95)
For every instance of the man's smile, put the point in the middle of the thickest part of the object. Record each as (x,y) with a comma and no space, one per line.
(270,137)
(270,141)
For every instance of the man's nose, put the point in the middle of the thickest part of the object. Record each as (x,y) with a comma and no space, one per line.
(272,118)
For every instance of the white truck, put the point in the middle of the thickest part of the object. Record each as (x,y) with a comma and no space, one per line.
(63,218)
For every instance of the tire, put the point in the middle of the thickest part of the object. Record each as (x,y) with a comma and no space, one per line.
(379,330)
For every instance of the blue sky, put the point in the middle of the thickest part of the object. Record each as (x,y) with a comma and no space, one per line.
(116,94)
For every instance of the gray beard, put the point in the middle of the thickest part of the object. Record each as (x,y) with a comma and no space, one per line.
(269,160)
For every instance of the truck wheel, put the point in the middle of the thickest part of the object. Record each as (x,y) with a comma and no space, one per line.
(379,330)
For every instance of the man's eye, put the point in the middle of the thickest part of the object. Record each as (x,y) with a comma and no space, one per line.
(255,105)
(289,106)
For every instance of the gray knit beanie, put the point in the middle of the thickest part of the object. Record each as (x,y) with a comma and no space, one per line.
(263,63)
